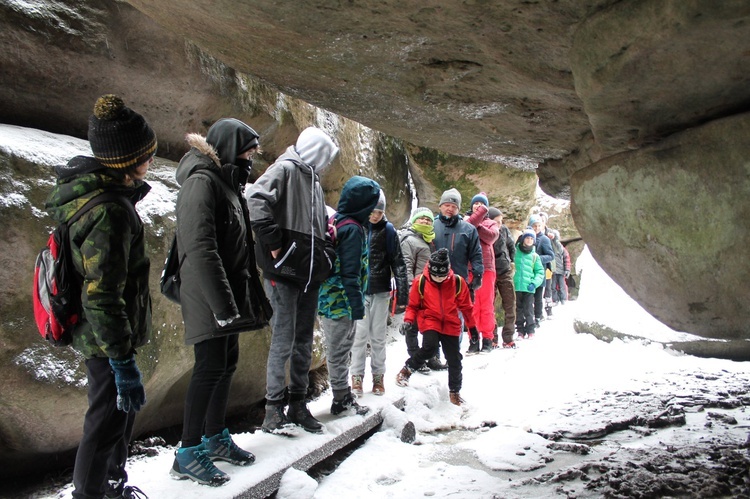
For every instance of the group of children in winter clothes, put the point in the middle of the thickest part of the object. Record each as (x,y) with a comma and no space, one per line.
(445,280)
(441,303)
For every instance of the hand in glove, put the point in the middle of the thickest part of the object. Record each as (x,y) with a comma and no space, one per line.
(130,392)
(400,309)
(406,328)
(473,334)
(476,283)
(531,287)
(227,321)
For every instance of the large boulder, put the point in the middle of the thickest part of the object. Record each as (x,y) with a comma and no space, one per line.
(669,223)
(486,80)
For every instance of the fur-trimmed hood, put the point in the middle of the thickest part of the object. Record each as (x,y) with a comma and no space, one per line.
(199,142)
(201,155)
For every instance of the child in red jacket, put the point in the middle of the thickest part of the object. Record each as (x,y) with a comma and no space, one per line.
(435,299)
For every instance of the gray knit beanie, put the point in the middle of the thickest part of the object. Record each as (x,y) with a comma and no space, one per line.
(451,196)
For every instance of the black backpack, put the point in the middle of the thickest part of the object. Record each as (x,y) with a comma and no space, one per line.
(169,284)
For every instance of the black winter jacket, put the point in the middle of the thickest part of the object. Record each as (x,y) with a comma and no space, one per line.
(385,258)
(219,276)
(505,251)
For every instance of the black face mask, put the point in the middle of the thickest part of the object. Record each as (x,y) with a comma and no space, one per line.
(244,163)
(243,172)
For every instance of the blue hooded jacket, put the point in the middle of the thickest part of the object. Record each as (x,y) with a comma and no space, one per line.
(341,295)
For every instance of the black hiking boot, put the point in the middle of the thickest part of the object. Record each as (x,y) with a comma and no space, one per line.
(435,365)
(348,403)
(299,414)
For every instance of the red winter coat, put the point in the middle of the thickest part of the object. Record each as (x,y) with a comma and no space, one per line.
(438,309)
(488,233)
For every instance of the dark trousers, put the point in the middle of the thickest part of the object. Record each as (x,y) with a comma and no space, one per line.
(412,341)
(431,341)
(559,288)
(103,450)
(504,285)
(208,393)
(525,323)
(538,303)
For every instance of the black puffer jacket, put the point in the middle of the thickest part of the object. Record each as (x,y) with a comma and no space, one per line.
(385,257)
(219,276)
(505,250)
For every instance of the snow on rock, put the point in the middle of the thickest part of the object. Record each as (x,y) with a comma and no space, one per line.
(41,147)
(53,366)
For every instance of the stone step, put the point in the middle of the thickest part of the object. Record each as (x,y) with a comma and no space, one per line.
(340,432)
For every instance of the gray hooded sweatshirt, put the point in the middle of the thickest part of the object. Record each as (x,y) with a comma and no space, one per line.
(288,212)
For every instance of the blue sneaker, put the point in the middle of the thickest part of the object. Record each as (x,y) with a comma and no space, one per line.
(193,463)
(222,447)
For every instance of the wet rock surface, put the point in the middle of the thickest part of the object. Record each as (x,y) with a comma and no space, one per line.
(683,436)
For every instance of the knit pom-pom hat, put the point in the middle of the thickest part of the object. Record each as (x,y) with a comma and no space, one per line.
(119,136)
(440,263)
(482,198)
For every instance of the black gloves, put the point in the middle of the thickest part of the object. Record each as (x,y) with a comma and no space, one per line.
(406,328)
(476,283)
(130,392)
(473,334)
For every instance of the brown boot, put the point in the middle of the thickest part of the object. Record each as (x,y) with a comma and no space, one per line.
(456,398)
(357,384)
(377,384)
(402,378)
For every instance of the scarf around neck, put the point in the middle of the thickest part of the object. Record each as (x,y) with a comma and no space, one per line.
(426,231)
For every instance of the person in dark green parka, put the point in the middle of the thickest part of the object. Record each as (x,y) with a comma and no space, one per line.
(109,255)
(220,292)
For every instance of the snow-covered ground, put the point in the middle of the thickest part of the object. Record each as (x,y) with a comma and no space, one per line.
(562,415)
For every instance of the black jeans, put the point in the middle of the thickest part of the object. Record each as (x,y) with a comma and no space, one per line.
(208,394)
(103,450)
(525,323)
(431,341)
(538,303)
(412,341)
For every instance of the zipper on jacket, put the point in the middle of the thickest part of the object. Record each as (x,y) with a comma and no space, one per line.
(286,255)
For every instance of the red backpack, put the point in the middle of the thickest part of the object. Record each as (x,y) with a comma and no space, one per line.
(57,287)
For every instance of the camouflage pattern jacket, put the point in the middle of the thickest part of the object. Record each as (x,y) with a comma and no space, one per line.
(109,253)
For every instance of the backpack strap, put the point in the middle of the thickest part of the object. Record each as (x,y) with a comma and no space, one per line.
(335,225)
(347,221)
(421,285)
(107,197)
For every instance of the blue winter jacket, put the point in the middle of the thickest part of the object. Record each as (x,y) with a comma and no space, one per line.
(461,240)
(341,294)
